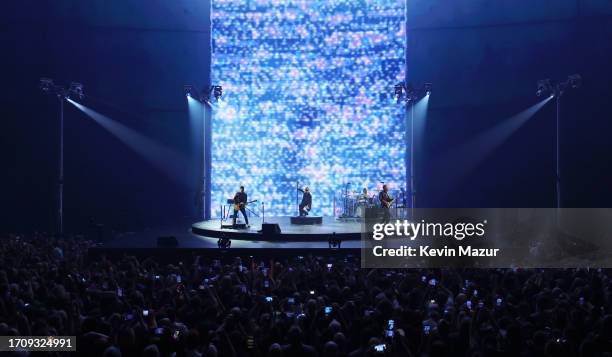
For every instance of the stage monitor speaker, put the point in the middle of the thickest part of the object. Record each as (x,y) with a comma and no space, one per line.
(167,242)
(270,228)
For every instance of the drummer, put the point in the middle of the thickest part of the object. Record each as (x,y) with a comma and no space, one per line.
(363,197)
(362,202)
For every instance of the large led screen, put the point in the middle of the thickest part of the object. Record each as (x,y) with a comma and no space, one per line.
(307,100)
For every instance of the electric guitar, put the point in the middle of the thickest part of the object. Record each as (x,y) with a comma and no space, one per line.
(389,203)
(237,206)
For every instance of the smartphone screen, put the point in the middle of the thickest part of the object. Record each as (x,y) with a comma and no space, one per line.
(380,348)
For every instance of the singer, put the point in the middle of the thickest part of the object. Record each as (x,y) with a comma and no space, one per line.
(306,204)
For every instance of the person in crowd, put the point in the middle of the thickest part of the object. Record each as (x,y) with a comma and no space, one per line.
(189,305)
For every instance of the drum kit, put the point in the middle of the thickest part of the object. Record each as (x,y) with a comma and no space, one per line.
(355,203)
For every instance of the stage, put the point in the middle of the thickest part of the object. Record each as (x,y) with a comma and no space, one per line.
(331,227)
(202,237)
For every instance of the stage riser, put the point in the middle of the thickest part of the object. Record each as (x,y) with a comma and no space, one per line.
(323,232)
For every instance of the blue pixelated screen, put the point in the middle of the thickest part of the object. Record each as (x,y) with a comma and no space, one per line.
(307,100)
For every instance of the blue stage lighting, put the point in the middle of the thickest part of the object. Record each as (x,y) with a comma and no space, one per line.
(302,79)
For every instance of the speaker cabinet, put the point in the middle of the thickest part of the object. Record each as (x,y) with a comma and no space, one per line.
(270,228)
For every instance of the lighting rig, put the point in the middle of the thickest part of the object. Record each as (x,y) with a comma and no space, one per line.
(214,91)
(556,89)
(74,91)
(407,93)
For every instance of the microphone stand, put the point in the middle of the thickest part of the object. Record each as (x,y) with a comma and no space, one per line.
(263,213)
(346,213)
(297,205)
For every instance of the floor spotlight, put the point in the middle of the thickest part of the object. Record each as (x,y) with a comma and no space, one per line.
(224,243)
(427,87)
(334,242)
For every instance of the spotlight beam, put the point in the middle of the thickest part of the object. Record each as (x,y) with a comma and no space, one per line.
(477,150)
(161,157)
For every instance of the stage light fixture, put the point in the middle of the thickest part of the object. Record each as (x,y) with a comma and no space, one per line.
(76,90)
(217,92)
(190,91)
(334,242)
(46,84)
(544,87)
(427,88)
(406,92)
(399,88)
(575,80)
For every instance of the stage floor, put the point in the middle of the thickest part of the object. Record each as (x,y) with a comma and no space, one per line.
(147,238)
(289,232)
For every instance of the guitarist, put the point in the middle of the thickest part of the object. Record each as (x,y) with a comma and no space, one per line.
(240,200)
(385,203)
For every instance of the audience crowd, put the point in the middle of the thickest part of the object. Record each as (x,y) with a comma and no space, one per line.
(300,306)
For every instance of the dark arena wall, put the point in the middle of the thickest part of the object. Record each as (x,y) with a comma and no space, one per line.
(480,128)
(482,57)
